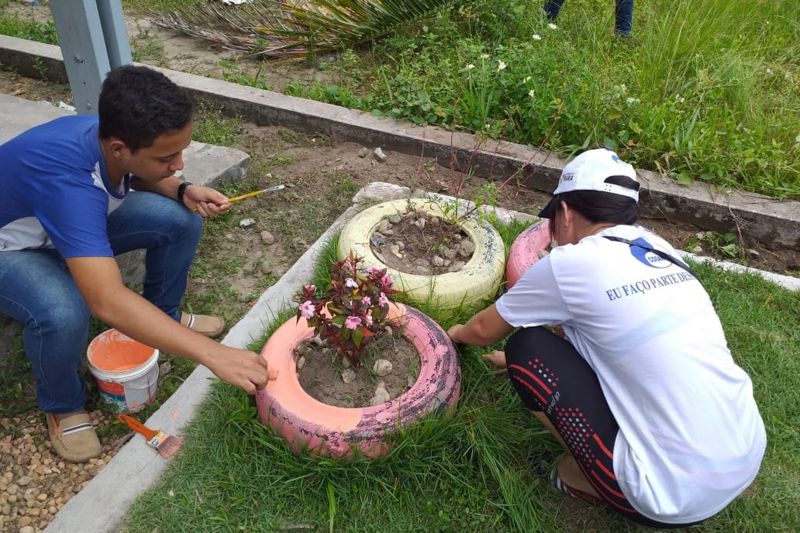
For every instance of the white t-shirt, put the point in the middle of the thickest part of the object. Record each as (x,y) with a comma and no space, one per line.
(690,436)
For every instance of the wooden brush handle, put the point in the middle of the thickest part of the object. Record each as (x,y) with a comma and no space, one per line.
(137,426)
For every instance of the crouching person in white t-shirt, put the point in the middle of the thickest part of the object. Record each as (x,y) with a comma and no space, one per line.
(658,420)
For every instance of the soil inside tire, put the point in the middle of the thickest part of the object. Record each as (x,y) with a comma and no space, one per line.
(321,372)
(421,243)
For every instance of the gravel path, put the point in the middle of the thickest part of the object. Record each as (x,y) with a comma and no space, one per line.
(35,482)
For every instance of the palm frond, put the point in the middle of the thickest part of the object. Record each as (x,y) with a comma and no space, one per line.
(279,28)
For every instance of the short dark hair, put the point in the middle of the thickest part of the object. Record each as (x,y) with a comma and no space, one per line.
(599,207)
(137,104)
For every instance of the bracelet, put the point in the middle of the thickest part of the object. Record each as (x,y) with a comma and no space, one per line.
(181,191)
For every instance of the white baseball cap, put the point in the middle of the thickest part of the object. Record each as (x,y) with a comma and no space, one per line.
(588,172)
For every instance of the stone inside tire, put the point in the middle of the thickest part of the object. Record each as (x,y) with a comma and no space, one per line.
(525,250)
(478,280)
(339,431)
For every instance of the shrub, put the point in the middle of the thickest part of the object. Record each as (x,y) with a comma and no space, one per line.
(353,309)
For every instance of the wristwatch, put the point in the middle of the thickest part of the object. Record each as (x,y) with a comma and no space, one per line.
(181,191)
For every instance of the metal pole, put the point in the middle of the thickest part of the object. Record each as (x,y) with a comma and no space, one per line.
(93,40)
(116,35)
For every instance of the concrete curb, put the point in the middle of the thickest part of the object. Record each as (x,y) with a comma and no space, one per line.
(771,222)
(103,504)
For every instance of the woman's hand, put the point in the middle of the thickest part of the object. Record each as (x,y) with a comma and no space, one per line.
(206,201)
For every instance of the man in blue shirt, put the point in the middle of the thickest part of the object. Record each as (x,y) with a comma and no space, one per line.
(77,191)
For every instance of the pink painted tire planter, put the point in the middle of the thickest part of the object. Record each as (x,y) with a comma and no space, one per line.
(525,250)
(339,431)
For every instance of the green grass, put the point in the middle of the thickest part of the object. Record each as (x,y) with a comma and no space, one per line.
(704,91)
(471,473)
(22,27)
(211,127)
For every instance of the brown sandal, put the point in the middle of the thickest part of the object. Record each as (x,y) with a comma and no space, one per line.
(207,325)
(558,483)
(73,437)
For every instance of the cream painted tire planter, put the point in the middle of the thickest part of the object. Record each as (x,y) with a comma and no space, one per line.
(526,250)
(339,431)
(478,280)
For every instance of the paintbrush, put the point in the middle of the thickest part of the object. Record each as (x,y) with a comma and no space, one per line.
(166,445)
(255,193)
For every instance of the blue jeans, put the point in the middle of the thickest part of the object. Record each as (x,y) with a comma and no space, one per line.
(623,14)
(37,290)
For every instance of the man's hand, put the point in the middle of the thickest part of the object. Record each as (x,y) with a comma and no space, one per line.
(206,201)
(246,370)
(453,332)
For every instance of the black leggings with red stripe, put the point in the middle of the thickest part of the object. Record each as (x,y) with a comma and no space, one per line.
(551,376)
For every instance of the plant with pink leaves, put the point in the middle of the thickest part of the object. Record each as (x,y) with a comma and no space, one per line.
(353,309)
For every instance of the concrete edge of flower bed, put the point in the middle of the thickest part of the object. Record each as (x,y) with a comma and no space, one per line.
(102,505)
(769,221)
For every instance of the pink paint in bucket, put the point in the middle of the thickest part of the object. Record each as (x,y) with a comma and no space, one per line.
(126,370)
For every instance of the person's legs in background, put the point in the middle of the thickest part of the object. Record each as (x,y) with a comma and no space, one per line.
(623,17)
(552,8)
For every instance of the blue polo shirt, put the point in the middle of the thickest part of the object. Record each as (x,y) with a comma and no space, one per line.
(55,191)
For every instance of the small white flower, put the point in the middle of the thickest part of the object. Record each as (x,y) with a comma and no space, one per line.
(632,101)
(470,66)
(531,93)
(501,66)
(527,79)
(769,72)
(484,56)
(797,139)
(537,37)
(552,26)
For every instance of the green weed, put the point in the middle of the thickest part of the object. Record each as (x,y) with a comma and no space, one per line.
(212,127)
(147,48)
(33,30)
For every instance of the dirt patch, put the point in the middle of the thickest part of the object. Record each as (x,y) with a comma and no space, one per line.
(389,368)
(419,243)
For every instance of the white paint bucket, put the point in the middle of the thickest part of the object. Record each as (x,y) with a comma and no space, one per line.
(126,370)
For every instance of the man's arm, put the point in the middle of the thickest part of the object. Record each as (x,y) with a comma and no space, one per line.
(100,283)
(206,201)
(483,329)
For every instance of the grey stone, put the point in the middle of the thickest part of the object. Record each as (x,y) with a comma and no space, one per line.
(456,266)
(395,219)
(438,261)
(382,367)
(246,222)
(379,155)
(267,237)
(301,362)
(348,375)
(363,152)
(381,395)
